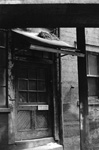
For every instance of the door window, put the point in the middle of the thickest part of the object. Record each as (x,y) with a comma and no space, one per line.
(32,85)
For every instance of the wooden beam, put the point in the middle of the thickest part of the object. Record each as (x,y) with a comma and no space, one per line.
(47,1)
(67,51)
(5,110)
(83,88)
(49,15)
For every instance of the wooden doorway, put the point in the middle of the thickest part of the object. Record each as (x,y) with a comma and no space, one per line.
(33,101)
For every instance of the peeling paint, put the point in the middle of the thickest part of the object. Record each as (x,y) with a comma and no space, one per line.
(11,94)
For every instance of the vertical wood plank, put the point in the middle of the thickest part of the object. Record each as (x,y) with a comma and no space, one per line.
(83,88)
(11,92)
(55,101)
(60,109)
(60,102)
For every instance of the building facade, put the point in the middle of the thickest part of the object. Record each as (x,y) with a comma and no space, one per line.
(17,118)
(30,106)
(70,90)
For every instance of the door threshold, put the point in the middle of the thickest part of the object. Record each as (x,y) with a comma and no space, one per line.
(27,144)
(49,146)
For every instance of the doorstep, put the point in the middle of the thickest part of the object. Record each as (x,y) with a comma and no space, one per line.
(49,146)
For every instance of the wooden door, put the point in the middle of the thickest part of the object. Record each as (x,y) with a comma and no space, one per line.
(33,102)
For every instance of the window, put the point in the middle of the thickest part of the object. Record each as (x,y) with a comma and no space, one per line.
(32,85)
(2,68)
(93,75)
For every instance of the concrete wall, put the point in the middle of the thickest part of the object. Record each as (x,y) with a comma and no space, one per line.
(70,93)
(46,1)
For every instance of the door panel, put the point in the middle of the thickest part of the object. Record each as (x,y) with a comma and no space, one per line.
(33,102)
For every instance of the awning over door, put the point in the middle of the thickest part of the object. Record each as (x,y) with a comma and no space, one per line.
(48,42)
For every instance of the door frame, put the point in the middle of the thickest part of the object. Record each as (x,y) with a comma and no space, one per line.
(25,65)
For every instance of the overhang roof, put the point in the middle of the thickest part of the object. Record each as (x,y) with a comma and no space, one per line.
(48,42)
(44,40)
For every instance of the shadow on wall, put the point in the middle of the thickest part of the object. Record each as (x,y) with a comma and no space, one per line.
(70,103)
(71,113)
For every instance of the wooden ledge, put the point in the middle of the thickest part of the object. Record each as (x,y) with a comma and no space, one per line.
(5,110)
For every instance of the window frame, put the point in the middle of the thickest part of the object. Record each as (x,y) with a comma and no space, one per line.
(92,99)
(27,91)
(4,47)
